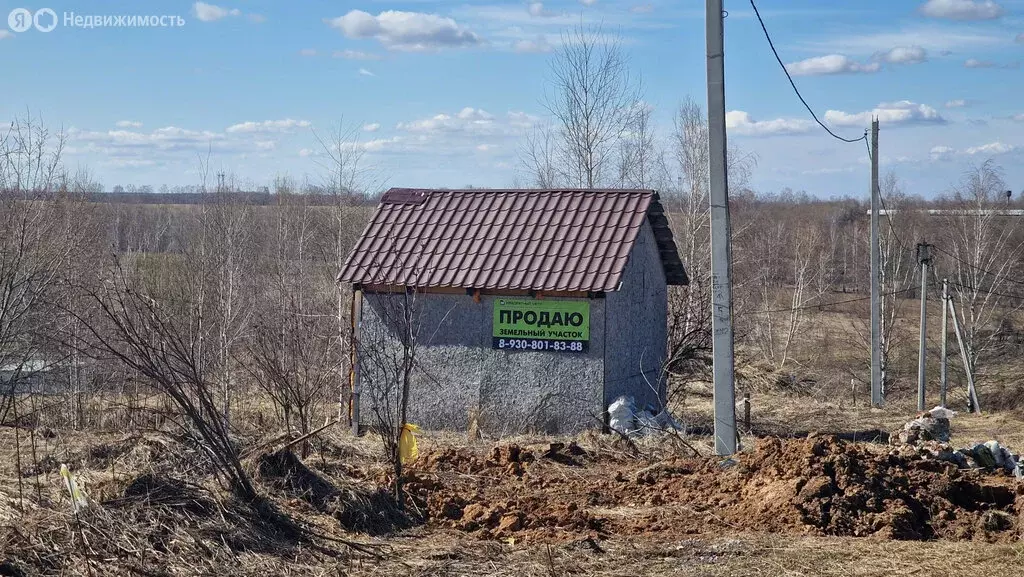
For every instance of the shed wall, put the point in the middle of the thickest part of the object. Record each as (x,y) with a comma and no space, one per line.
(637,317)
(456,369)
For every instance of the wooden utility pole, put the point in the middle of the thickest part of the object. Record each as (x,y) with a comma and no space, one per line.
(721,252)
(944,364)
(924,258)
(877,397)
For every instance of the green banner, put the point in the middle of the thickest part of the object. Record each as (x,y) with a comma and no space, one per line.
(542,319)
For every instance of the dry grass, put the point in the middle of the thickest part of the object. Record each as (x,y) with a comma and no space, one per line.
(740,555)
(35,516)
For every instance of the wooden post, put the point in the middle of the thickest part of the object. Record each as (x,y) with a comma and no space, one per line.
(746,412)
(353,402)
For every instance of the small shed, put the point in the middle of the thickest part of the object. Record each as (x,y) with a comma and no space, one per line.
(518,309)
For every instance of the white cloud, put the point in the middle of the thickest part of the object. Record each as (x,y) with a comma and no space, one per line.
(740,122)
(6,34)
(306,152)
(902,112)
(356,55)
(256,18)
(365,72)
(307,52)
(1019,39)
(642,8)
(991,149)
(211,13)
(519,119)
(537,10)
(286,125)
(830,64)
(407,31)
(1018,117)
(537,46)
(588,2)
(130,162)
(904,55)
(976,63)
(941,152)
(128,124)
(455,134)
(162,142)
(381,144)
(265,144)
(372,127)
(962,9)
(466,120)
(934,38)
(958,103)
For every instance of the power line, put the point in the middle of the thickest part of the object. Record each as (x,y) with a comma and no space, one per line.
(831,304)
(888,219)
(989,292)
(793,84)
(978,268)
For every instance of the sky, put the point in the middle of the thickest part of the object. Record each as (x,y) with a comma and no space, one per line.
(439,93)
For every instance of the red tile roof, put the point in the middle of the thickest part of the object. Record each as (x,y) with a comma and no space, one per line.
(543,240)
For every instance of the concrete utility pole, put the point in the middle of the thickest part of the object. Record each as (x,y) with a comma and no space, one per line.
(942,367)
(876,302)
(721,252)
(972,393)
(924,258)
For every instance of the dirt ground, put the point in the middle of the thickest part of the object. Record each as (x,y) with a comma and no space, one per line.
(590,505)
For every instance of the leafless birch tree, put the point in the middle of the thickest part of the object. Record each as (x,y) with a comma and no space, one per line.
(592,98)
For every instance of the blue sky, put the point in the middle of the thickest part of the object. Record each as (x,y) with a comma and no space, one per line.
(442,91)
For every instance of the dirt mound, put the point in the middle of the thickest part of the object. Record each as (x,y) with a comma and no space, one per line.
(820,485)
(836,488)
(356,508)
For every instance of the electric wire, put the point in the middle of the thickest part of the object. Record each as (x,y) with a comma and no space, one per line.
(793,84)
(829,304)
(985,291)
(978,268)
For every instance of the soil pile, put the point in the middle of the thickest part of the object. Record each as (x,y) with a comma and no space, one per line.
(826,486)
(819,485)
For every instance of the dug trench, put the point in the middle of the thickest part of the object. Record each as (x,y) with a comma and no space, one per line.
(813,486)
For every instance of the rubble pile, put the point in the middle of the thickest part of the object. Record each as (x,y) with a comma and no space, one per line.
(928,434)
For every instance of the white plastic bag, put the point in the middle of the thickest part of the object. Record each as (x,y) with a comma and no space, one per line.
(621,415)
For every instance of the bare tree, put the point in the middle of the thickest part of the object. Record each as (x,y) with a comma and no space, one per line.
(898,232)
(30,156)
(387,353)
(345,177)
(538,157)
(781,317)
(233,269)
(35,247)
(161,341)
(292,359)
(686,194)
(640,162)
(592,98)
(985,251)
